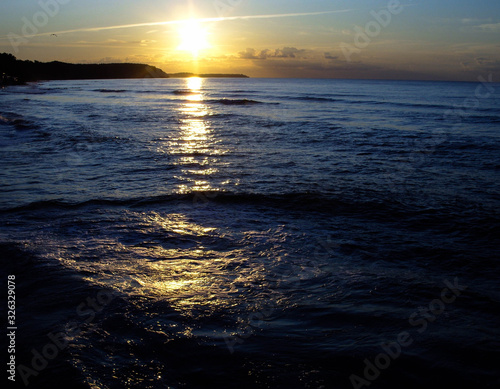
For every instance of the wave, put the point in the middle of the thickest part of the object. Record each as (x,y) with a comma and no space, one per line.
(23,89)
(55,90)
(481,119)
(371,205)
(110,90)
(183,92)
(314,98)
(18,122)
(242,91)
(60,89)
(179,92)
(90,138)
(400,104)
(367,102)
(286,200)
(224,101)
(237,102)
(150,92)
(217,115)
(472,145)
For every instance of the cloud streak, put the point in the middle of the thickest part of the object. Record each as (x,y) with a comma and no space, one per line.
(200,20)
(285,52)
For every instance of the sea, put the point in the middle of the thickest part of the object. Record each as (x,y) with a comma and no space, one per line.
(250,233)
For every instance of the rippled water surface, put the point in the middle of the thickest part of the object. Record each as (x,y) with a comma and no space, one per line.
(221,233)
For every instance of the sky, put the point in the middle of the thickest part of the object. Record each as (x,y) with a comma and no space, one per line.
(365,39)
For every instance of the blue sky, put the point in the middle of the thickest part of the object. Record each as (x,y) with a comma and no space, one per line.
(441,39)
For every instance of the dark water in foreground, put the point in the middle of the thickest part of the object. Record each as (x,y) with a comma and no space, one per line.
(252,233)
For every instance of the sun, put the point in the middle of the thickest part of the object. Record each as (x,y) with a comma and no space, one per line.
(194,37)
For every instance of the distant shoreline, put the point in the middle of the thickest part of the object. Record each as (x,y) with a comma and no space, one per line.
(207,75)
(18,72)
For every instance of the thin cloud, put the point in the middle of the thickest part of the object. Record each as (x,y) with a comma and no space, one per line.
(285,52)
(201,20)
(491,27)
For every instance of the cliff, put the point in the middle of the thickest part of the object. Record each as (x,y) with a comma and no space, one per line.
(14,71)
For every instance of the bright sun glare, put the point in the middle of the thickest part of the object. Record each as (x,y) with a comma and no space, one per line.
(194,37)
(194,83)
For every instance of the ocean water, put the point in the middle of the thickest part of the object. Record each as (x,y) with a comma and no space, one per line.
(252,233)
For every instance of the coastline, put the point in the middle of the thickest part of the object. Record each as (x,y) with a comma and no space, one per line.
(18,72)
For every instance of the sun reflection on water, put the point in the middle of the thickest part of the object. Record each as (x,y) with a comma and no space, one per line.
(194,83)
(171,263)
(196,146)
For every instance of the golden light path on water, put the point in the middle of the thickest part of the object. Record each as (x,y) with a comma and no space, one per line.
(172,262)
(196,143)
